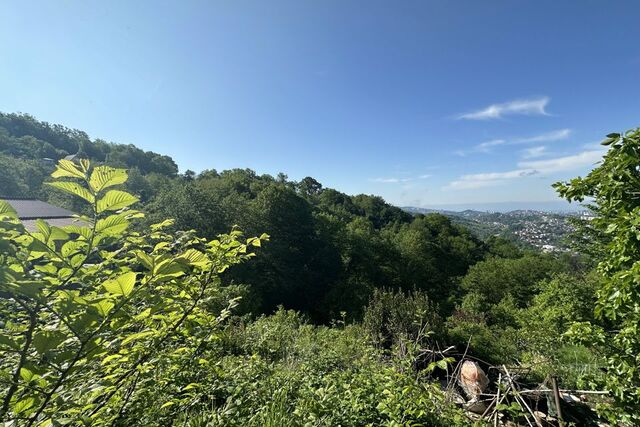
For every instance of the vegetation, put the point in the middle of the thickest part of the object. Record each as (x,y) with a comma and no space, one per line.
(98,321)
(613,186)
(172,317)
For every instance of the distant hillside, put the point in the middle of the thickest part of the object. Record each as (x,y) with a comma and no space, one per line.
(557,205)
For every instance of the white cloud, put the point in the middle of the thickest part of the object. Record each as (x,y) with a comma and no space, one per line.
(470,185)
(527,107)
(492,176)
(489,179)
(555,135)
(567,163)
(394,180)
(533,152)
(390,180)
(487,147)
(484,147)
(527,168)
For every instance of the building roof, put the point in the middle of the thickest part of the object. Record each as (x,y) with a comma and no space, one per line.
(34,209)
(29,210)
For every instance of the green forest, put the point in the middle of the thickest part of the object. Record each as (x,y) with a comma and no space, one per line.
(231,298)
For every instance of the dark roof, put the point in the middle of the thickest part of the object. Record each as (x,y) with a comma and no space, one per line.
(34,209)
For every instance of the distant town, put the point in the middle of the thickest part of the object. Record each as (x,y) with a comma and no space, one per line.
(547,231)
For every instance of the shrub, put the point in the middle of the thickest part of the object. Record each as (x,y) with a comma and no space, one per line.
(98,320)
(392,317)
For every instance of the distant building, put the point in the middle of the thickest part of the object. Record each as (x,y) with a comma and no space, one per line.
(29,210)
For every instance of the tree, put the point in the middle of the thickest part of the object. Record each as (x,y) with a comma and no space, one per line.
(309,186)
(614,187)
(490,281)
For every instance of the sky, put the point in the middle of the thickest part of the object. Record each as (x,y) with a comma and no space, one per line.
(426,103)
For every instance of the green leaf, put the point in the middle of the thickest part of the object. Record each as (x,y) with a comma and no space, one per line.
(104,307)
(112,225)
(44,229)
(26,374)
(195,257)
(71,247)
(24,404)
(67,169)
(6,210)
(9,342)
(144,259)
(76,229)
(104,177)
(73,188)
(163,224)
(138,336)
(58,233)
(123,285)
(44,341)
(115,200)
(442,364)
(168,268)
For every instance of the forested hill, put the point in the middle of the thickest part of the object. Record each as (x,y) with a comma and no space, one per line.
(32,147)
(328,251)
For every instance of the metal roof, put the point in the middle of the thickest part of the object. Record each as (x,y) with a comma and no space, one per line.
(34,209)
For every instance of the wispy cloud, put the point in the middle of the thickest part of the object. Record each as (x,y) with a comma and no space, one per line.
(489,179)
(484,147)
(396,180)
(555,135)
(533,152)
(527,107)
(390,180)
(567,163)
(526,169)
(488,146)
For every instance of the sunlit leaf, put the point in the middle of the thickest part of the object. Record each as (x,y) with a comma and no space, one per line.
(73,188)
(6,210)
(104,177)
(114,224)
(26,374)
(24,405)
(115,200)
(66,169)
(104,307)
(123,285)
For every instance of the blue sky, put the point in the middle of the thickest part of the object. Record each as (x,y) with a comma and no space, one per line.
(422,102)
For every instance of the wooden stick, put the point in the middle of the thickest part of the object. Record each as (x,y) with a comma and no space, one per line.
(562,390)
(556,398)
(521,401)
(495,419)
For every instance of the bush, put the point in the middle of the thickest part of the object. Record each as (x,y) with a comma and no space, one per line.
(392,317)
(98,320)
(313,375)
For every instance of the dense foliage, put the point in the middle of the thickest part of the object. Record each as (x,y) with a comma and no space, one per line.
(93,313)
(614,187)
(102,325)
(329,250)
(99,321)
